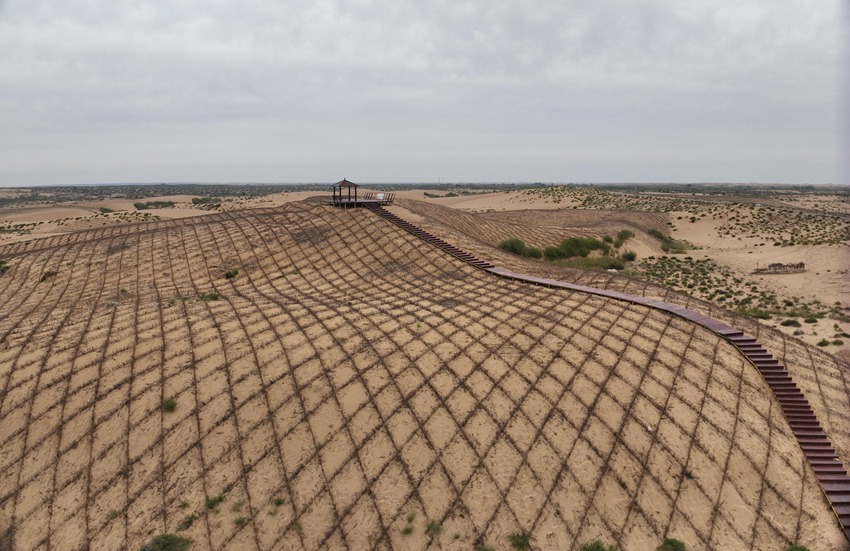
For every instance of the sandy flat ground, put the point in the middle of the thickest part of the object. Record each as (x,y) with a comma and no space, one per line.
(350,378)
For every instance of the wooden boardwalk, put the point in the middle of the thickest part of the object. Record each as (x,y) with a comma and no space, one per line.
(814,442)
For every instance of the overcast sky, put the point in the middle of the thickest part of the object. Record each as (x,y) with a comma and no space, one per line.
(95,91)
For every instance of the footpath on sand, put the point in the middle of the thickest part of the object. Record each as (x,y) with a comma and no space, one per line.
(816,446)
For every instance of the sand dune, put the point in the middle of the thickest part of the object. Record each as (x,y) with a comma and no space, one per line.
(350,375)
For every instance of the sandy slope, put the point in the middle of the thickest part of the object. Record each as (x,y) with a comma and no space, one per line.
(357,375)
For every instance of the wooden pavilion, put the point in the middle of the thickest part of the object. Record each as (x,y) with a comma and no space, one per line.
(345,194)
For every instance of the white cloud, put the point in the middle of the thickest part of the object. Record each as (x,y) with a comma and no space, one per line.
(746,81)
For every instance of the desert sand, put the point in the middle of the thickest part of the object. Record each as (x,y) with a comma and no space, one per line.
(351,380)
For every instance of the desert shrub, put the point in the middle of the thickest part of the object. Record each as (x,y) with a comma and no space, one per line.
(482,547)
(797,548)
(629,255)
(790,323)
(581,246)
(669,245)
(407,530)
(533,252)
(622,235)
(47,275)
(166,542)
(4,267)
(519,541)
(811,320)
(837,342)
(106,210)
(513,245)
(433,528)
(212,295)
(140,206)
(593,263)
(169,405)
(597,545)
(823,342)
(671,544)
(553,253)
(656,234)
(230,274)
(608,239)
(186,523)
(213,502)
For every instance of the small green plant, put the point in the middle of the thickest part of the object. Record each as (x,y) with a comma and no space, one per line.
(519,541)
(811,320)
(213,502)
(4,267)
(212,295)
(278,501)
(513,245)
(411,516)
(629,255)
(790,323)
(797,548)
(237,507)
(112,515)
(169,405)
(823,342)
(433,528)
(483,547)
(296,524)
(47,275)
(239,521)
(186,522)
(597,545)
(671,544)
(166,542)
(230,274)
(106,210)
(183,505)
(533,252)
(407,530)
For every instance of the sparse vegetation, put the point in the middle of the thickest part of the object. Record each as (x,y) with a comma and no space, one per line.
(105,210)
(519,541)
(186,522)
(169,405)
(47,275)
(154,205)
(597,545)
(671,544)
(214,501)
(433,528)
(483,547)
(230,274)
(239,521)
(211,295)
(407,530)
(167,542)
(4,267)
(790,323)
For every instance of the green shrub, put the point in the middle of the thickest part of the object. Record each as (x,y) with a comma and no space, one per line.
(407,530)
(105,210)
(790,323)
(597,545)
(4,267)
(513,245)
(622,235)
(629,255)
(213,502)
(811,320)
(140,206)
(47,275)
(169,405)
(230,274)
(823,342)
(797,548)
(212,295)
(533,252)
(671,544)
(519,541)
(656,234)
(838,342)
(553,253)
(482,547)
(608,239)
(433,528)
(593,263)
(166,542)
(186,523)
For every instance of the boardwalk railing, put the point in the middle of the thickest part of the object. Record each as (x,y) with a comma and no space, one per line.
(816,446)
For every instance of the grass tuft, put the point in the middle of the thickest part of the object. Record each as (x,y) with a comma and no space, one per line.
(213,502)
(169,405)
(166,542)
(433,528)
(519,541)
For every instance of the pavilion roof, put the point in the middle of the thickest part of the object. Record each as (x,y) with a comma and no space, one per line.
(345,183)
